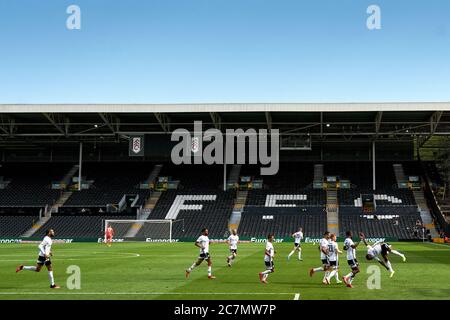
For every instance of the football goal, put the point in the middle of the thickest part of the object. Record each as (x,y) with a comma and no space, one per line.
(145,230)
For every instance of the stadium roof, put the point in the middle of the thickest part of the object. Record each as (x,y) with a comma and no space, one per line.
(226,107)
(323,122)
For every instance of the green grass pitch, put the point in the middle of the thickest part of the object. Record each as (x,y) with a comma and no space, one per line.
(157,271)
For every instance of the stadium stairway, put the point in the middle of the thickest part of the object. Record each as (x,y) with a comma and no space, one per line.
(134,229)
(425,214)
(148,207)
(239,204)
(318,173)
(444,207)
(154,174)
(30,232)
(69,175)
(152,200)
(233,177)
(61,201)
(399,174)
(332,211)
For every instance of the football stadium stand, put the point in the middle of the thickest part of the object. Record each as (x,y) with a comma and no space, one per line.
(194,195)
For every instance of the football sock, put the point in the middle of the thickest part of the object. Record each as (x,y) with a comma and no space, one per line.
(299,253)
(336,276)
(266,272)
(388,264)
(50,276)
(381,262)
(318,269)
(209,270)
(33,268)
(192,267)
(291,253)
(331,274)
(397,253)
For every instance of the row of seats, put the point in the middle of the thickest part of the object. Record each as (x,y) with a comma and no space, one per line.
(282,225)
(393,197)
(290,177)
(250,210)
(79,226)
(267,197)
(111,182)
(30,184)
(401,227)
(14,226)
(288,198)
(379,198)
(397,210)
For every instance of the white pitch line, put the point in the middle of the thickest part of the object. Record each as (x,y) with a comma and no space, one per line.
(73,257)
(439,244)
(146,293)
(297,296)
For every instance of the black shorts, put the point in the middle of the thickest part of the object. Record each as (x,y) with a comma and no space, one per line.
(297,244)
(204,256)
(385,248)
(334,263)
(326,261)
(233,251)
(269,265)
(41,261)
(353,263)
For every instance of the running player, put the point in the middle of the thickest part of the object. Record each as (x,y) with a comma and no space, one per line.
(202,243)
(109,233)
(298,236)
(383,249)
(268,259)
(45,252)
(333,256)
(323,248)
(232,241)
(350,247)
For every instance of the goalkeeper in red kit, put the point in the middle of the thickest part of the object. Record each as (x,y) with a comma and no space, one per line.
(109,233)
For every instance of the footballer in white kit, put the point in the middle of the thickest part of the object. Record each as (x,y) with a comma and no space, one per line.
(298,237)
(232,241)
(350,247)
(323,248)
(268,259)
(333,257)
(45,252)
(202,243)
(383,249)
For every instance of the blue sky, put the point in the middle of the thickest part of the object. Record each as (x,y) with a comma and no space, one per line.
(179,51)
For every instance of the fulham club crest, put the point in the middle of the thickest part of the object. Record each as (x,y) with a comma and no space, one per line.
(195,144)
(137,144)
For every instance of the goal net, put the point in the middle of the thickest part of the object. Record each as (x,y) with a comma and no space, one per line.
(145,230)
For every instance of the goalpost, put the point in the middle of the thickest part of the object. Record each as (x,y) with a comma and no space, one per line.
(145,230)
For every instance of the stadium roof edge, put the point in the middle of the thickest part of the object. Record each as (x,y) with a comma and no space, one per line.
(225,107)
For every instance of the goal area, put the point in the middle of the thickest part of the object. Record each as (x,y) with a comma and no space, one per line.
(160,230)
